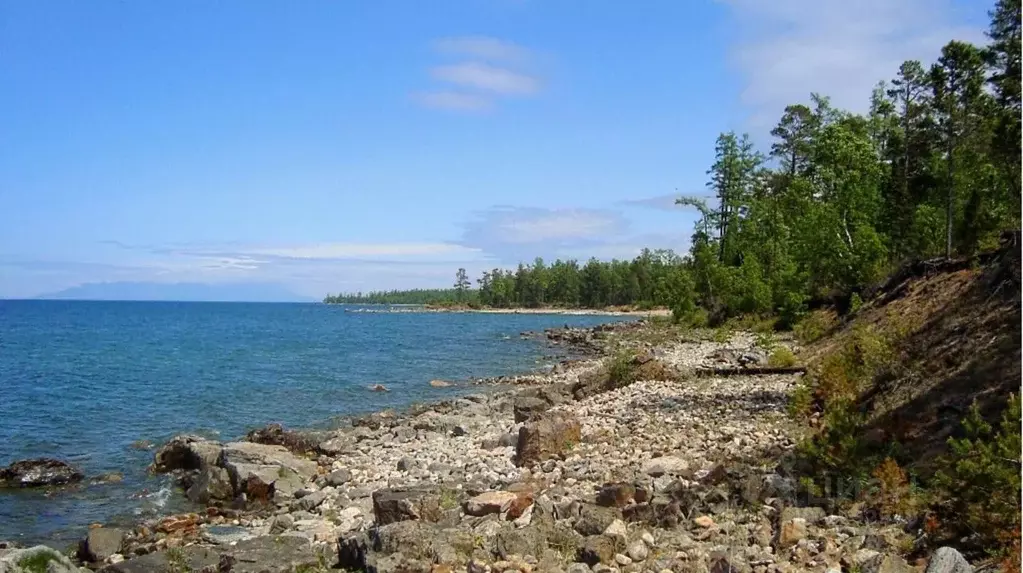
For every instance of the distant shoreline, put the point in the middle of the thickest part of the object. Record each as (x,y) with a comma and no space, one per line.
(552,311)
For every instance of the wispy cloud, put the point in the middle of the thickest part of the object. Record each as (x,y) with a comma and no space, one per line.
(840,48)
(490,69)
(454,101)
(362,250)
(505,225)
(486,77)
(483,47)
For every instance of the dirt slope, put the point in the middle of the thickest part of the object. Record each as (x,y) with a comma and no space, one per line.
(956,326)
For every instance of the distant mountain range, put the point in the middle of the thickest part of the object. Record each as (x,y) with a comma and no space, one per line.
(224,292)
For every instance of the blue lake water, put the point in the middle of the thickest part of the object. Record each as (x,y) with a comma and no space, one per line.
(81,381)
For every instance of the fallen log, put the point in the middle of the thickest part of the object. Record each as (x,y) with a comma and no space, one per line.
(754,371)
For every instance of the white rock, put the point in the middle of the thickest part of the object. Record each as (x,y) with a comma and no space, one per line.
(617,529)
(637,551)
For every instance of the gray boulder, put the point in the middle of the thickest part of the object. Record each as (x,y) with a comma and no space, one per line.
(948,560)
(186,452)
(425,503)
(212,483)
(100,543)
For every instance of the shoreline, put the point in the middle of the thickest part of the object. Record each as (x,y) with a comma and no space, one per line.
(424,309)
(570,470)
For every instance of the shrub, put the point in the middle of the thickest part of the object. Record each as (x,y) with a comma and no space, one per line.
(855,302)
(894,496)
(981,477)
(621,370)
(813,326)
(838,449)
(782,357)
(801,401)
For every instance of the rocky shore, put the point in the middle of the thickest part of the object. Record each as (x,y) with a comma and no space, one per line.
(672,468)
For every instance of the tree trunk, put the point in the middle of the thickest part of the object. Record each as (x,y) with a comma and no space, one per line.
(949,207)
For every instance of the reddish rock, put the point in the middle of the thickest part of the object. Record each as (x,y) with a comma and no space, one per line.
(550,436)
(519,505)
(179,525)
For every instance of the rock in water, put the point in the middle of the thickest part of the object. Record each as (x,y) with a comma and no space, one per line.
(100,543)
(548,437)
(39,473)
(948,560)
(186,453)
(41,558)
(440,383)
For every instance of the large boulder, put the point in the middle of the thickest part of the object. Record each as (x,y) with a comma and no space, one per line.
(265,472)
(550,436)
(948,560)
(213,483)
(186,452)
(424,503)
(100,543)
(248,453)
(527,408)
(38,559)
(39,472)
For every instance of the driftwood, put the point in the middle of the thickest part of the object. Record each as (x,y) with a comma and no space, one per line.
(754,371)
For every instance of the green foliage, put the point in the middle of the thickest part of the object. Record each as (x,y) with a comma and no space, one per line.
(932,168)
(621,369)
(855,303)
(781,357)
(801,401)
(814,326)
(37,562)
(981,477)
(838,449)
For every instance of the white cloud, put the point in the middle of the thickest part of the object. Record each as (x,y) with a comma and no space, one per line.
(477,75)
(362,250)
(526,225)
(839,48)
(483,47)
(456,101)
(558,225)
(490,69)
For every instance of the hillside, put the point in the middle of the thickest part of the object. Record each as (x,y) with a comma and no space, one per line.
(957,331)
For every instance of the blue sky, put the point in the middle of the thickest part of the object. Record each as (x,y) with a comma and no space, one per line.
(349,146)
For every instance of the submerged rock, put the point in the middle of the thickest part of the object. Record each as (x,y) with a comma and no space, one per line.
(39,472)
